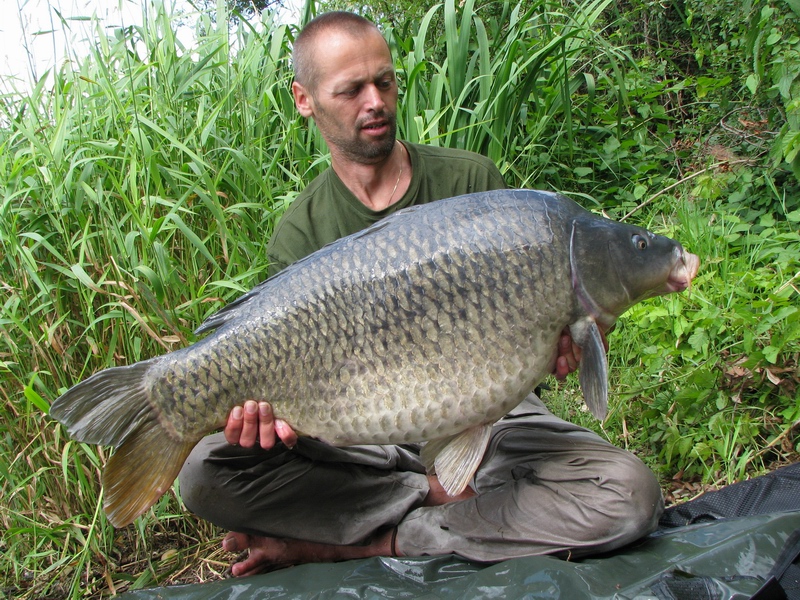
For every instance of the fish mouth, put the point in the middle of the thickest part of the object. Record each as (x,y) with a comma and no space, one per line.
(683,272)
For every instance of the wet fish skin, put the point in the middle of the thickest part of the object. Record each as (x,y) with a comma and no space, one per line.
(347,375)
(430,325)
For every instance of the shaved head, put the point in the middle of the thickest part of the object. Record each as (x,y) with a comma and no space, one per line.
(305,47)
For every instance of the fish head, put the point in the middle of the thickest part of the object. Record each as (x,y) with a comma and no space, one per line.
(615,265)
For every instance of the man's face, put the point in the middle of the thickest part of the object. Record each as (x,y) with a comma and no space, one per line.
(354,100)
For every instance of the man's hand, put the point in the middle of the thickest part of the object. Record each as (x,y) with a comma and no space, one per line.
(255,423)
(569,354)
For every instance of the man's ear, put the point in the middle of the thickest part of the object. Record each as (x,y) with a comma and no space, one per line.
(302,100)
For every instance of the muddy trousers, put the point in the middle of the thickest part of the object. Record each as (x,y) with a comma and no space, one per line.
(545,486)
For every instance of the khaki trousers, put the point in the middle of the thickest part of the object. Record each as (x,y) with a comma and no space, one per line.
(545,486)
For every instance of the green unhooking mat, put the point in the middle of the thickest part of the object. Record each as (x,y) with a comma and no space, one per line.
(738,543)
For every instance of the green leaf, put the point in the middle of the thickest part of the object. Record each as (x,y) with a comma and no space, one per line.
(791,146)
(771,354)
(699,339)
(708,84)
(773,38)
(591,86)
(192,237)
(35,399)
(83,277)
(794,5)
(611,145)
(752,82)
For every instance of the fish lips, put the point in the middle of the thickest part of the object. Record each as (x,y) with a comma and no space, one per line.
(683,272)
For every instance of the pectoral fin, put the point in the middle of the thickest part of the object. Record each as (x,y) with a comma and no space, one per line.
(593,371)
(456,458)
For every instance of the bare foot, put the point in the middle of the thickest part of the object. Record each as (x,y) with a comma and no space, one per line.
(268,553)
(265,554)
(437,496)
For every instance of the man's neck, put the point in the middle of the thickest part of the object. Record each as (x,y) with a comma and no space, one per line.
(377,186)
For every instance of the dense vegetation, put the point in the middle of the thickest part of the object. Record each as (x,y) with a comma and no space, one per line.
(139,184)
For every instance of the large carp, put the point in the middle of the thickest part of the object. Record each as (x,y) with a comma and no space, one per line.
(428,326)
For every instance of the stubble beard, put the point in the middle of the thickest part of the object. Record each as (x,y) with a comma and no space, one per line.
(358,151)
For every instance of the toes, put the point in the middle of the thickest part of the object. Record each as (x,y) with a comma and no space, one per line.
(236,542)
(258,561)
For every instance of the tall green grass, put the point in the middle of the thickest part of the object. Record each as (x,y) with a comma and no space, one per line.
(138,186)
(506,86)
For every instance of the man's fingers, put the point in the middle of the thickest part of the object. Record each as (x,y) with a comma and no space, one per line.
(285,432)
(256,423)
(266,425)
(249,433)
(568,356)
(233,427)
(561,370)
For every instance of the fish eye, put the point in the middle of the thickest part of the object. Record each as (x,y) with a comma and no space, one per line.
(639,242)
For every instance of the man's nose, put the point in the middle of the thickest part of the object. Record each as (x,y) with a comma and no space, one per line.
(374,98)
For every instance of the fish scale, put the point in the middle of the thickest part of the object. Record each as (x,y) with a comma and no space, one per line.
(428,326)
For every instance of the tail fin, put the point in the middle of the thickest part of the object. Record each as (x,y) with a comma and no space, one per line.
(108,407)
(112,408)
(141,471)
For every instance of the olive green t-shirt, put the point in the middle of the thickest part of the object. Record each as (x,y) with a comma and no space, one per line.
(326,210)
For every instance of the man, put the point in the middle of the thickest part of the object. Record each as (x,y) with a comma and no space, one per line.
(544,486)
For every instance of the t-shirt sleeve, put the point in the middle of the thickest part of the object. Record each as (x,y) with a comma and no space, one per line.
(487,175)
(451,172)
(290,241)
